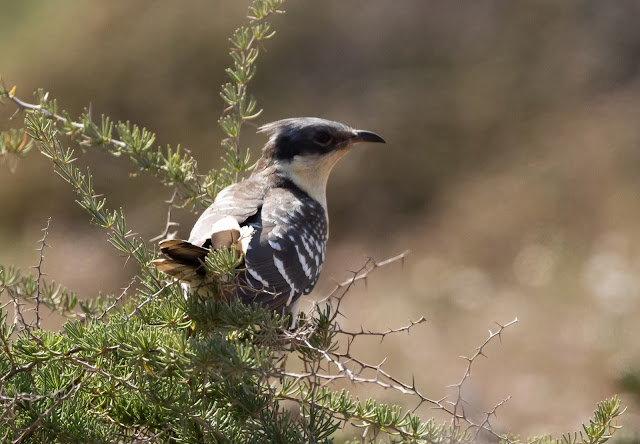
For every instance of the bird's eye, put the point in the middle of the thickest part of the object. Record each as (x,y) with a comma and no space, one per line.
(322,138)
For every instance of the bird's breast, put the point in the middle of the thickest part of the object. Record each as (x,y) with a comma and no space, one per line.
(289,244)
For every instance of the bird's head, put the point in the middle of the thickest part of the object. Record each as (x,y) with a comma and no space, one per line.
(306,149)
(311,137)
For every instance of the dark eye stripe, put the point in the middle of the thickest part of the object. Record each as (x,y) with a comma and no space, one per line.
(322,138)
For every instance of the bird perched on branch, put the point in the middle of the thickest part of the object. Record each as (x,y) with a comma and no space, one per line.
(277,218)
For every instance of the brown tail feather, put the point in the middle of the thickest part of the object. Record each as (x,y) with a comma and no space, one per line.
(181,271)
(183,251)
(185,260)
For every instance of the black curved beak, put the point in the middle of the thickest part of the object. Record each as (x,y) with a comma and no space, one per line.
(368,136)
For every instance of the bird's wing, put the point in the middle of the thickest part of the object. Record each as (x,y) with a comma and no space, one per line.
(286,253)
(239,201)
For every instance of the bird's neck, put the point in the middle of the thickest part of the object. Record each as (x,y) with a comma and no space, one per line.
(310,174)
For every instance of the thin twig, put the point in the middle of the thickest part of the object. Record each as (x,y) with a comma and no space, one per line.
(31,107)
(381,334)
(18,317)
(358,275)
(117,299)
(43,244)
(486,425)
(363,273)
(146,301)
(169,223)
(458,405)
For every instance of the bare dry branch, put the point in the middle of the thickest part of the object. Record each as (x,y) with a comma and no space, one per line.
(381,334)
(486,425)
(43,244)
(458,405)
(361,274)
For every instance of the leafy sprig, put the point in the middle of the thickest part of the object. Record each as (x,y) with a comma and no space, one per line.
(243,107)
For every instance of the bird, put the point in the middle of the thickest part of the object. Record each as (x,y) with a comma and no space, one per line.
(276,219)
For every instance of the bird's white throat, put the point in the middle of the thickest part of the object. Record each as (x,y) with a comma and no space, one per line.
(311,172)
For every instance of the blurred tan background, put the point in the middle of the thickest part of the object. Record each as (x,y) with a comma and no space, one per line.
(511,170)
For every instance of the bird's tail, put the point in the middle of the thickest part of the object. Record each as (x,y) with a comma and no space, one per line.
(185,260)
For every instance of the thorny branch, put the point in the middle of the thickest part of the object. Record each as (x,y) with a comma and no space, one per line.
(345,362)
(343,288)
(351,368)
(382,334)
(486,425)
(362,273)
(458,405)
(383,379)
(43,244)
